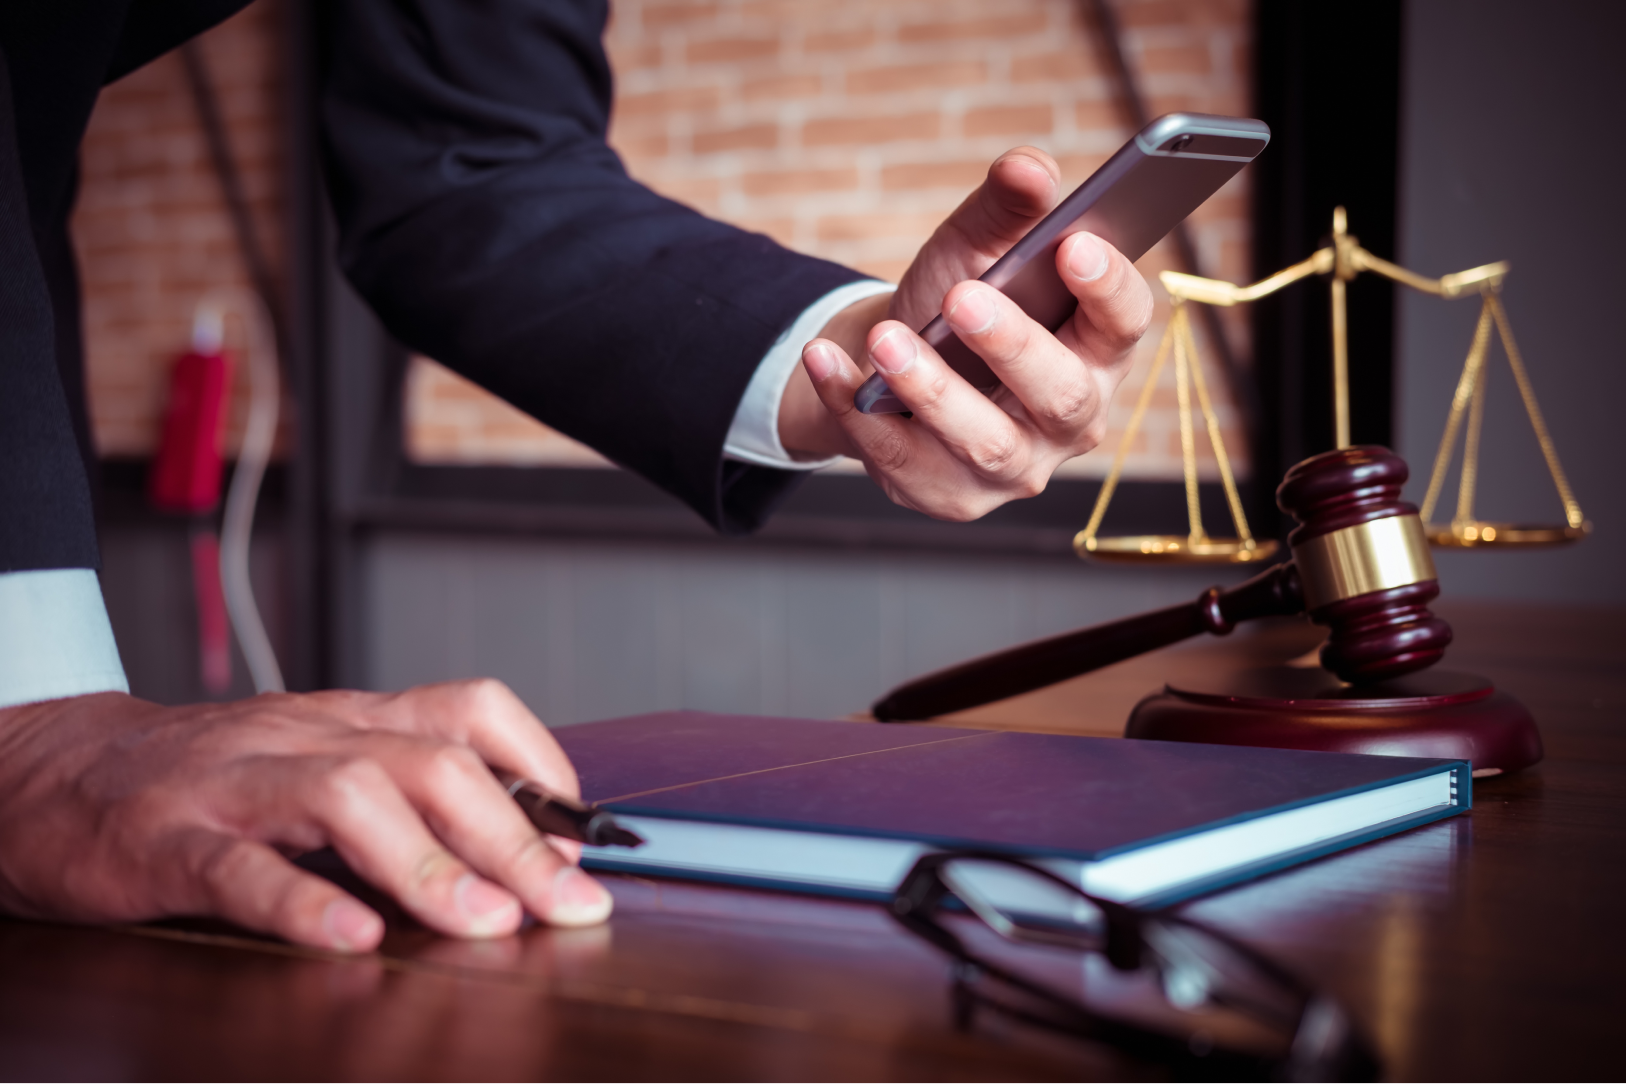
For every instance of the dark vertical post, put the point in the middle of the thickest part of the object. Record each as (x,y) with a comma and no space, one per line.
(347,381)
(1327,81)
(305,654)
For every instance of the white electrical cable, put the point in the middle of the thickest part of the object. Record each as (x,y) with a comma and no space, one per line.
(237,527)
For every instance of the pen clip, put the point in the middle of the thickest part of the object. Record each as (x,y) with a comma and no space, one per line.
(521,784)
(572,818)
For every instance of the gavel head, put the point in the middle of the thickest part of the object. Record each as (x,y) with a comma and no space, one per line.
(1364,564)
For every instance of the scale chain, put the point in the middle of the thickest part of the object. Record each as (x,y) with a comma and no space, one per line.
(1231,496)
(1188,439)
(1459,403)
(1572,508)
(1107,487)
(1470,447)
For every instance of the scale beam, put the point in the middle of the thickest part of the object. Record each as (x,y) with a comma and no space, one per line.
(1473,280)
(1226,294)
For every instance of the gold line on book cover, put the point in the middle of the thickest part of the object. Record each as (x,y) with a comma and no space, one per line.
(802,764)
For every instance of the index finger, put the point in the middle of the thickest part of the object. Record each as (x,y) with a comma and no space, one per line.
(468,809)
(485,715)
(978,432)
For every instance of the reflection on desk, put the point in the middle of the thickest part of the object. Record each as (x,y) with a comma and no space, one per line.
(1481,947)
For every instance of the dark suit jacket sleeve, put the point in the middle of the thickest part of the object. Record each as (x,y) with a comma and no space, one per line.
(486,221)
(53,60)
(45,511)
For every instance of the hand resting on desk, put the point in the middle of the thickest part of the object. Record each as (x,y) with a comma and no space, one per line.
(114,809)
(963,454)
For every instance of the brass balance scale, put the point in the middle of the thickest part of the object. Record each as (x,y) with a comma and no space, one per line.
(1342,260)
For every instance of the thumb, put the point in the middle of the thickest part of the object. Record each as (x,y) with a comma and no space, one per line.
(1021,187)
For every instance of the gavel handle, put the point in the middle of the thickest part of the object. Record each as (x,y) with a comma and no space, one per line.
(1045,662)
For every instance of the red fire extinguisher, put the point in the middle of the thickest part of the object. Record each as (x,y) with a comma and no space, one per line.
(186,476)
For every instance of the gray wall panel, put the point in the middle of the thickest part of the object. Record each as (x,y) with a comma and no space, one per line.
(590,630)
(1510,151)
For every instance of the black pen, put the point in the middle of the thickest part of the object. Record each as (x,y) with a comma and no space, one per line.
(556,815)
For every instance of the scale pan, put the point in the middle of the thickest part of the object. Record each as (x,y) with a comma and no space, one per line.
(1478,534)
(1172,549)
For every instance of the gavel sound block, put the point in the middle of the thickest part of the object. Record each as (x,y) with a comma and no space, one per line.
(1361,567)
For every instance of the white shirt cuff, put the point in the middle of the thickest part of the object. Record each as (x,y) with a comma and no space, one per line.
(754,436)
(55,639)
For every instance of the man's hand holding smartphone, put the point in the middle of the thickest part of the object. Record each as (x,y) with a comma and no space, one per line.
(962,453)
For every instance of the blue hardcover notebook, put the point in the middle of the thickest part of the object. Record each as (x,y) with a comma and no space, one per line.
(846,808)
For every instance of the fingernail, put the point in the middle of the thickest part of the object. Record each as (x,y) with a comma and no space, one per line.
(975,312)
(578,900)
(1088,260)
(820,361)
(351,927)
(488,909)
(893,352)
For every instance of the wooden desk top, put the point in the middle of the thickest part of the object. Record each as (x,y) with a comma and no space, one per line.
(1484,947)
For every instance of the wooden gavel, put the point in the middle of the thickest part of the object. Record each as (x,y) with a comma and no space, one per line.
(1361,566)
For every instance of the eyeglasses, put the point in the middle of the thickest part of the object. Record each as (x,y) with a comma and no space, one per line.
(1036,948)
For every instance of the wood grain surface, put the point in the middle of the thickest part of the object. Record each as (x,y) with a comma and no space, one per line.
(1486,947)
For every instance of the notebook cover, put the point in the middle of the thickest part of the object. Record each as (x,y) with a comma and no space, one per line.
(1045,794)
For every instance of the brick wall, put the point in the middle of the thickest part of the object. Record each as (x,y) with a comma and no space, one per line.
(850,129)
(843,129)
(151,227)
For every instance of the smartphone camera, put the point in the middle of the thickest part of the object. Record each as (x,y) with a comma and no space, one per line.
(1178,143)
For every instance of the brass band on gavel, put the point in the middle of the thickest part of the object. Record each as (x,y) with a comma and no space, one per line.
(1373,556)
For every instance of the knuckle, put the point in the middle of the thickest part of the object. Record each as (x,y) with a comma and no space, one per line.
(844,408)
(1021,340)
(1142,323)
(532,852)
(221,873)
(1120,318)
(484,694)
(962,506)
(1016,351)
(996,453)
(146,804)
(889,452)
(1066,407)
(453,767)
(1029,484)
(930,396)
(435,866)
(1132,303)
(223,866)
(349,783)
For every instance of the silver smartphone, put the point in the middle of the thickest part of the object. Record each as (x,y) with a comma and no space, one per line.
(1142,192)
